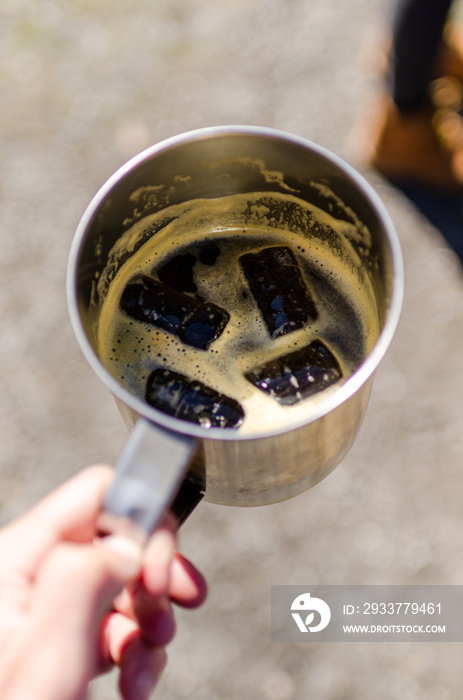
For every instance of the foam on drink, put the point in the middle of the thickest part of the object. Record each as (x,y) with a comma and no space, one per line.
(205,250)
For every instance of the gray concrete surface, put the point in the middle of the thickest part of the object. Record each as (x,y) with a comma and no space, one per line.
(83,86)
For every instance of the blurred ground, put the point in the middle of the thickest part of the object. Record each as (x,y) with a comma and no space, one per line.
(85,85)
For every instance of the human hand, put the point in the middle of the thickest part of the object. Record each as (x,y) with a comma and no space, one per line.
(72,606)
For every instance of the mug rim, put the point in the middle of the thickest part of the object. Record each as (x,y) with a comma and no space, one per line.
(317,409)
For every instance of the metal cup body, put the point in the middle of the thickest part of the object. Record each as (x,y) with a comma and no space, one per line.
(252,469)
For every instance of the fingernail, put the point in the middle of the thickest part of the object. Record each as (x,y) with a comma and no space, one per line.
(129,553)
(145,683)
(147,679)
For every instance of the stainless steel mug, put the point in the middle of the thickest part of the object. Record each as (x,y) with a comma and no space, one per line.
(164,452)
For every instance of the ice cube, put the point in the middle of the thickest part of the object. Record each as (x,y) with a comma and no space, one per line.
(191,400)
(297,375)
(208,253)
(178,272)
(278,287)
(195,322)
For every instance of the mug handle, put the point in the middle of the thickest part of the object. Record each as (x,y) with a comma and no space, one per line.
(148,475)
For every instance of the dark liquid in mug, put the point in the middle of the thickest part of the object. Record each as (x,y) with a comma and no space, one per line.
(231,316)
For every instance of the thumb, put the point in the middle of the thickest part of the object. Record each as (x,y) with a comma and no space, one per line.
(86,578)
